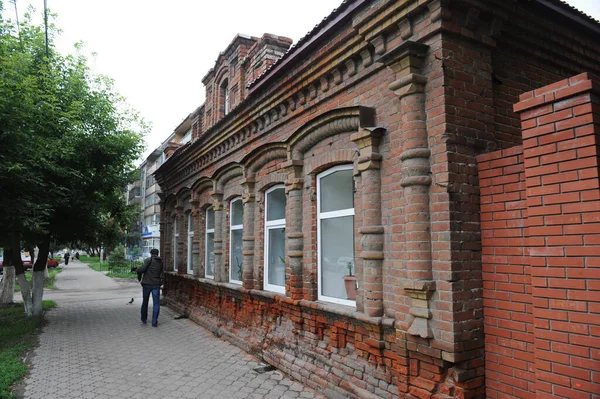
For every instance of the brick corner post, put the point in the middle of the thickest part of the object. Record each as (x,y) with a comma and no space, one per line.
(561,129)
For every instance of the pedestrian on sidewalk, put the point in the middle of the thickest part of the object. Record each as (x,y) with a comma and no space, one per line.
(152,271)
(67,256)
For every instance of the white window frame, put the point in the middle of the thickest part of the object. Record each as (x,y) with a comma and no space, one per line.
(207,232)
(329,215)
(190,243)
(232,228)
(273,224)
(175,238)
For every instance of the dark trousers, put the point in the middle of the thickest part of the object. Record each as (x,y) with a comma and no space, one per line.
(155,290)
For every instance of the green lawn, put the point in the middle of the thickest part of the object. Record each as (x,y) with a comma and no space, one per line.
(48,284)
(123,271)
(17,335)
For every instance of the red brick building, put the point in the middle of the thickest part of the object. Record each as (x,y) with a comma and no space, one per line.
(441,159)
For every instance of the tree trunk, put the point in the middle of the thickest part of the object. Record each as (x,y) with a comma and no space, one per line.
(7,289)
(26,294)
(39,268)
(15,258)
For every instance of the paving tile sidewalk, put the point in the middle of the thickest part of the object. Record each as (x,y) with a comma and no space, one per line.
(94,346)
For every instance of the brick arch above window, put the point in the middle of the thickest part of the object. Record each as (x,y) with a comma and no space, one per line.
(271,180)
(329,159)
(263,155)
(170,203)
(328,124)
(201,185)
(226,173)
(184,196)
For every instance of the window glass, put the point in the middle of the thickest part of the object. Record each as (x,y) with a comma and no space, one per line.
(236,255)
(276,204)
(237,212)
(337,254)
(210,254)
(337,191)
(190,222)
(210,218)
(276,250)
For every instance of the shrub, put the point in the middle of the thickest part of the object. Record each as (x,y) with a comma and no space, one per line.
(116,259)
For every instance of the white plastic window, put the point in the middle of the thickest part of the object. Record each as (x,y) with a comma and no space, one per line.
(236,231)
(335,231)
(209,251)
(190,243)
(274,276)
(175,239)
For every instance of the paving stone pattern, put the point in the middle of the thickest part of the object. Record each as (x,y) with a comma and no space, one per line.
(95,347)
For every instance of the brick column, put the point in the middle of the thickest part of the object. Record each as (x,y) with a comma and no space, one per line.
(406,61)
(220,273)
(293,230)
(561,129)
(249,202)
(371,230)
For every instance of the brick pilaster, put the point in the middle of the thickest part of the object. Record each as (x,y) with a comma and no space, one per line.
(249,202)
(560,124)
(371,230)
(406,61)
(294,235)
(219,273)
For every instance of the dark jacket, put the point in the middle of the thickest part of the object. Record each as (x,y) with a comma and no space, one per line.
(152,269)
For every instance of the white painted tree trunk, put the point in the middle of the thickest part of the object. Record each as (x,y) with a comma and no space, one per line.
(38,292)
(7,289)
(26,294)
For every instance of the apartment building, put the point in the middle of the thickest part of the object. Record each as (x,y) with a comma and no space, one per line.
(145,192)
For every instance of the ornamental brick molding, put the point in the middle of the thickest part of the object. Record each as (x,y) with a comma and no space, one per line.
(473,233)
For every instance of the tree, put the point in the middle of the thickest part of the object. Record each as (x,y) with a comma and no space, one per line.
(68,144)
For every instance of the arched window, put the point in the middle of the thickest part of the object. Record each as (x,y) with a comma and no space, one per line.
(335,231)
(225,96)
(209,246)
(274,276)
(190,242)
(236,231)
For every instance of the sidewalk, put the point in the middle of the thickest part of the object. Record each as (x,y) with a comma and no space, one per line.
(94,346)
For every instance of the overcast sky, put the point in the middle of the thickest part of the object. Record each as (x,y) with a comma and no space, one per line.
(158,52)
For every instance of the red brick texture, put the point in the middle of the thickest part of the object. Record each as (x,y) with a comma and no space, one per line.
(540,223)
(408,92)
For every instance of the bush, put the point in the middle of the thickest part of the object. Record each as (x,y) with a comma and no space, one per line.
(116,259)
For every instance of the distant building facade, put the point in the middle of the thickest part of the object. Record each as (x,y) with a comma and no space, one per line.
(326,215)
(145,192)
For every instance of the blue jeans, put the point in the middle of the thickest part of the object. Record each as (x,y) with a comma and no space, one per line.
(155,290)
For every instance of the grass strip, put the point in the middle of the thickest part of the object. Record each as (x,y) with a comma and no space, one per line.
(17,335)
(123,271)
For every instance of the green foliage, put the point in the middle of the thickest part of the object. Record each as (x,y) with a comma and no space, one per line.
(17,334)
(117,259)
(121,268)
(68,144)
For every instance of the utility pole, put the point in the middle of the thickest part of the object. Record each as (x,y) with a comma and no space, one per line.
(17,16)
(45,26)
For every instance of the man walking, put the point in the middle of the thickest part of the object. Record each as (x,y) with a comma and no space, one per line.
(152,271)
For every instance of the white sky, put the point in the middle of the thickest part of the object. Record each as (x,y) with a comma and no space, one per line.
(158,52)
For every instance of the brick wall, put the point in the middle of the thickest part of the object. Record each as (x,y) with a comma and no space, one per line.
(541,248)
